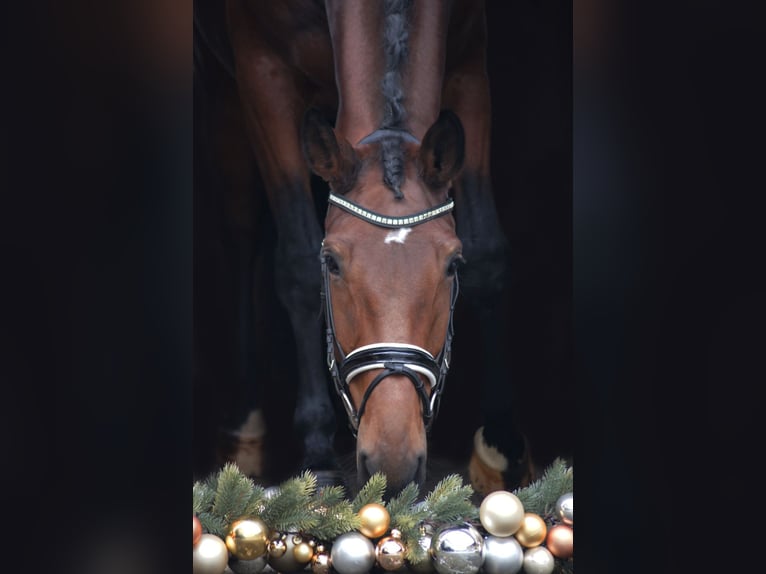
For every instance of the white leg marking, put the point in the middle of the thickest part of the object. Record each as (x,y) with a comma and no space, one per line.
(398,235)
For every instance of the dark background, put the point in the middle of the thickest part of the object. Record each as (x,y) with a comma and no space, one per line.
(530,69)
(668,298)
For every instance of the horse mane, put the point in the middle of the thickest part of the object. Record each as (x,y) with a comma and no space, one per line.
(395,44)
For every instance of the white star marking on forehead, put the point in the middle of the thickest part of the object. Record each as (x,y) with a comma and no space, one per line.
(398,235)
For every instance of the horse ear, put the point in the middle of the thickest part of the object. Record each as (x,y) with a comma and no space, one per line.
(442,151)
(331,158)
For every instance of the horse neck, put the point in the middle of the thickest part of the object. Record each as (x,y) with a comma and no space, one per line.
(361,35)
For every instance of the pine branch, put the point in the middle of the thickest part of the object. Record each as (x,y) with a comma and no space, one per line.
(450,501)
(212,524)
(232,494)
(416,553)
(329,496)
(447,484)
(559,480)
(371,492)
(202,497)
(541,496)
(256,502)
(403,503)
(334,515)
(454,508)
(332,521)
(406,517)
(290,509)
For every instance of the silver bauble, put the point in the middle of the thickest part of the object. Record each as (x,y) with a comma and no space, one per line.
(270,492)
(538,560)
(502,555)
(210,555)
(457,550)
(565,508)
(254,566)
(352,553)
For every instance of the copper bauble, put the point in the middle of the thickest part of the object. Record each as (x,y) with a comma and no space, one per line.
(560,541)
(390,553)
(196,530)
(532,531)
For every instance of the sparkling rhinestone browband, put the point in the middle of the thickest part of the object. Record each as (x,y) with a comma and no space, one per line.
(389,221)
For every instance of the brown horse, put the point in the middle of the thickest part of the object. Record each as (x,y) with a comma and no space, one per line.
(388,102)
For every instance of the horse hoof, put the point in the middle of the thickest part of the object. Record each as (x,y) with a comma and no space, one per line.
(245,446)
(487,465)
(490,470)
(247,454)
(484,479)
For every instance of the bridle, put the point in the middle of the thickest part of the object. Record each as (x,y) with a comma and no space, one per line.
(393,358)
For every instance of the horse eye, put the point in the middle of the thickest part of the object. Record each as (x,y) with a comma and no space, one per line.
(331,263)
(454,264)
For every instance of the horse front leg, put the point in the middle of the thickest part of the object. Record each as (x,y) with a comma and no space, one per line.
(500,457)
(297,282)
(274,101)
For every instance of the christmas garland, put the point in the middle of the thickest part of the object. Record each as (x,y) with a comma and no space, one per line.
(298,524)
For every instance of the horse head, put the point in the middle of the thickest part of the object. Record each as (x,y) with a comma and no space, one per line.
(389,259)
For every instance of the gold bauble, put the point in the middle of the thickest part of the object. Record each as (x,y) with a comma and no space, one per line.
(303,551)
(501,513)
(277,548)
(390,553)
(560,541)
(375,520)
(248,538)
(532,531)
(320,563)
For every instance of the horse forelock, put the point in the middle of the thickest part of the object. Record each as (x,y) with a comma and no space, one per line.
(395,46)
